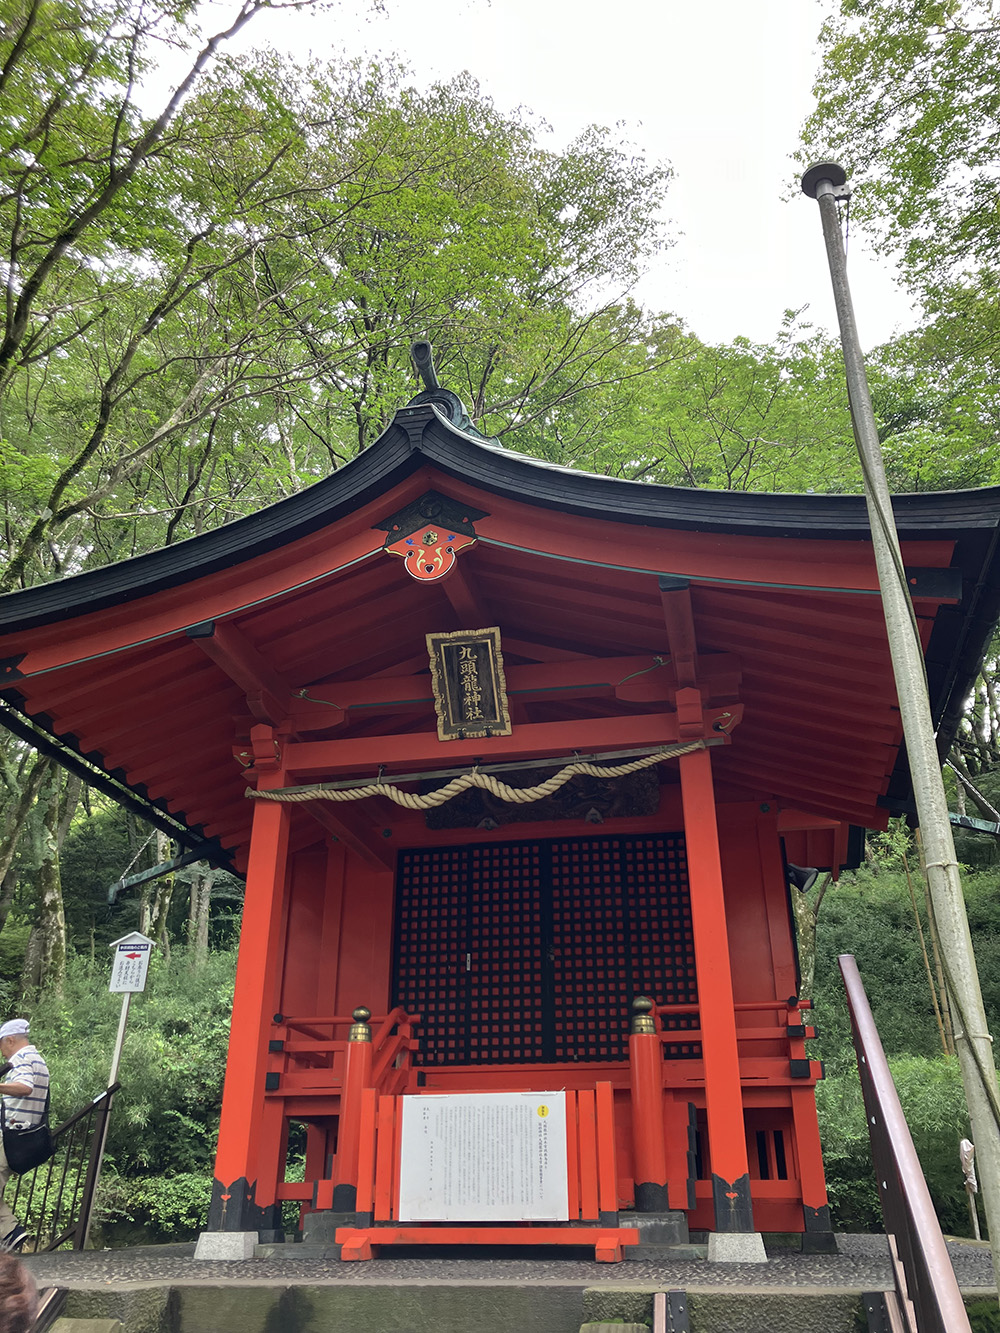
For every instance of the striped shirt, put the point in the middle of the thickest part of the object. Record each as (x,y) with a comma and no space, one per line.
(27,1066)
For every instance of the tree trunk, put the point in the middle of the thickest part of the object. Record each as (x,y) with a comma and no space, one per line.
(806,913)
(58,799)
(163,892)
(202,880)
(31,971)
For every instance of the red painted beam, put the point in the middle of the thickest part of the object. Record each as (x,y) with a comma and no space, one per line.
(675,600)
(798,788)
(467,604)
(797,701)
(171,612)
(571,679)
(309,759)
(157,668)
(349,827)
(268,694)
(540,652)
(830,668)
(812,636)
(849,613)
(256,993)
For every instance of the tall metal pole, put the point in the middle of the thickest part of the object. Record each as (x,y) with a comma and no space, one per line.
(102,1140)
(825,183)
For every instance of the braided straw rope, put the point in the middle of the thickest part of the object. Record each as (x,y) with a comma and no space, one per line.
(515,795)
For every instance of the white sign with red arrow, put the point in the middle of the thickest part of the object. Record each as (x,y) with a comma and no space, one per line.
(131,963)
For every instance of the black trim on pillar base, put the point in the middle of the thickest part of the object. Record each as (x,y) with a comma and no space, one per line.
(731,1201)
(817,1236)
(650,1198)
(345,1198)
(233,1208)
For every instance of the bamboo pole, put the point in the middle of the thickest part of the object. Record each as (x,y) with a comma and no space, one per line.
(825,183)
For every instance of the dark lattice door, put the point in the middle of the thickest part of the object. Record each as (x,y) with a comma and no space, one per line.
(507,964)
(621,928)
(532,951)
(432,918)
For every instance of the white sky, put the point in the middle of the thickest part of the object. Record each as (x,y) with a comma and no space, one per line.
(718,89)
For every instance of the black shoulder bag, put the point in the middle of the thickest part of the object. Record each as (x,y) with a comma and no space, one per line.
(26,1148)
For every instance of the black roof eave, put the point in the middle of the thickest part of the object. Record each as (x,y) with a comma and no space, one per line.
(420,435)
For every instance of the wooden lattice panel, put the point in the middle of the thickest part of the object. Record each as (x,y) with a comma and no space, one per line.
(591,949)
(506,977)
(660,929)
(521,952)
(432,930)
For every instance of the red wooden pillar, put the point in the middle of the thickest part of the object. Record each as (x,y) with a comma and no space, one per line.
(727,1148)
(648,1143)
(235,1206)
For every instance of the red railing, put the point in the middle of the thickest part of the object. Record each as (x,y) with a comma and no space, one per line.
(926,1298)
(318,1074)
(314,1047)
(775,1032)
(783,1147)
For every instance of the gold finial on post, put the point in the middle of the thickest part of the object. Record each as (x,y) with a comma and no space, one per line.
(360,1031)
(642,1010)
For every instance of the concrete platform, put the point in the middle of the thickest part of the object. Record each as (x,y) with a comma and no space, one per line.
(163,1289)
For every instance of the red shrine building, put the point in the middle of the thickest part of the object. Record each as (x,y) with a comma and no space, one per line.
(515,761)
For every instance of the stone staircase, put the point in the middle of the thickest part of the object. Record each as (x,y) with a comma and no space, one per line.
(287,1289)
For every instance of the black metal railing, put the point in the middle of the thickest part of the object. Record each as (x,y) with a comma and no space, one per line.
(55,1201)
(926,1298)
(51,1303)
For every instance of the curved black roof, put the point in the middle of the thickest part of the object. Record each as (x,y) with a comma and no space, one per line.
(420,434)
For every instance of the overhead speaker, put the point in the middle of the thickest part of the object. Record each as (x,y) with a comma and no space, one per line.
(802,877)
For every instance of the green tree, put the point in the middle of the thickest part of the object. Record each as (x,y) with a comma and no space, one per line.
(240,325)
(907,100)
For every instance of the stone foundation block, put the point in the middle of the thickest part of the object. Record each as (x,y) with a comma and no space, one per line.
(736,1247)
(232,1245)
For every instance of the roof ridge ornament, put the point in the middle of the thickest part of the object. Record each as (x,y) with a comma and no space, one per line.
(429,533)
(448,403)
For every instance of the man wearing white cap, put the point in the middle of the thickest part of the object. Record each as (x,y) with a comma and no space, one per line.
(24,1096)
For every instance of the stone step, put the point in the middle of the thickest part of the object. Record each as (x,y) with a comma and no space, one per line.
(614,1328)
(384,1305)
(64,1325)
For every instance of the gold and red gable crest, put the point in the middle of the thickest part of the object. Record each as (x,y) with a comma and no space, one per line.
(429,534)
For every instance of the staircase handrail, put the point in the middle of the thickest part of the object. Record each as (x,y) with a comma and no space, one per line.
(67,1180)
(84,1110)
(927,1294)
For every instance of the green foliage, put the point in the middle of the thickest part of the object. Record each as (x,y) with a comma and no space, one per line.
(156,1207)
(931,1095)
(907,99)
(984,1317)
(232,319)
(869,914)
(97,852)
(173,1060)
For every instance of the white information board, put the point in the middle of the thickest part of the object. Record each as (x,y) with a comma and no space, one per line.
(130,963)
(484,1157)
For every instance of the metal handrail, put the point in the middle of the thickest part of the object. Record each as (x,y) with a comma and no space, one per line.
(926,1296)
(51,1302)
(55,1201)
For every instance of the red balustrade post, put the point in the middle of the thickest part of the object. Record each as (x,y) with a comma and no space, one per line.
(357,1077)
(649,1147)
